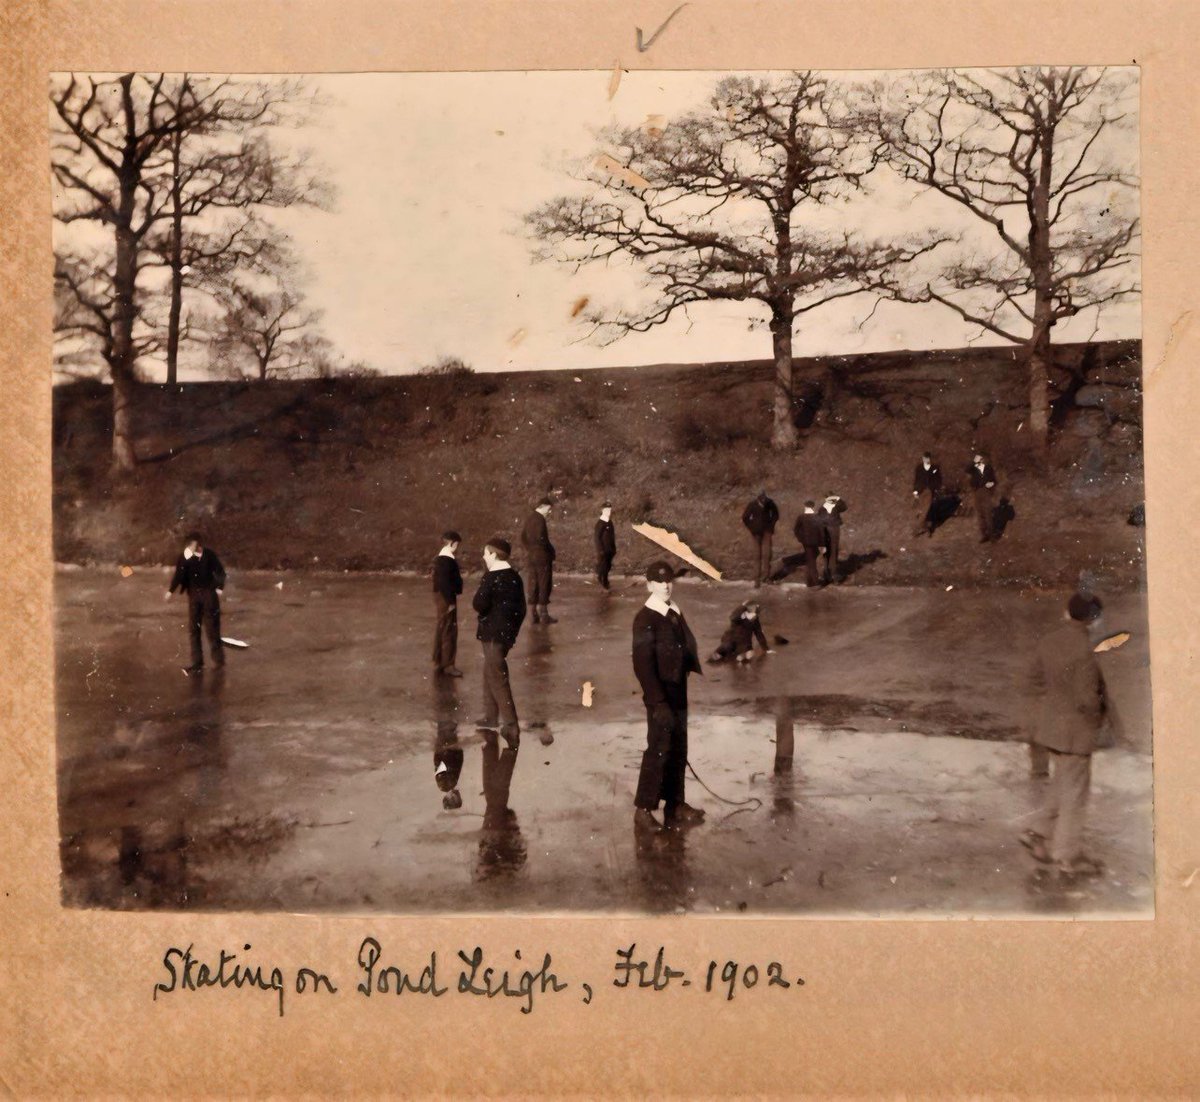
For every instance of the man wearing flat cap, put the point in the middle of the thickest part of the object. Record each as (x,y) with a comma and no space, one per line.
(447,585)
(1073,711)
(606,544)
(500,603)
(664,654)
(535,538)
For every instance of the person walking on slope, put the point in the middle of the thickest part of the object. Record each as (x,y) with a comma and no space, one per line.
(760,518)
(927,479)
(535,538)
(500,604)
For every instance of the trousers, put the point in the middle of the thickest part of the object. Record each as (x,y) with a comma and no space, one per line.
(498,705)
(832,538)
(762,551)
(1060,818)
(204,606)
(603,564)
(664,760)
(445,632)
(811,551)
(983,512)
(541,581)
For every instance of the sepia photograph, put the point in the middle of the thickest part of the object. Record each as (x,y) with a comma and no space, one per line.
(632,492)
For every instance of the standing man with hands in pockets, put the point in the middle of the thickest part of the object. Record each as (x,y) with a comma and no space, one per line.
(535,538)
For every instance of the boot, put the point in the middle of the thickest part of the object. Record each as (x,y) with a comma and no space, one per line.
(546,617)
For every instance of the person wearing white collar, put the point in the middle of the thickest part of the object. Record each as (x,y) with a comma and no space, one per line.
(200,575)
(447,585)
(664,655)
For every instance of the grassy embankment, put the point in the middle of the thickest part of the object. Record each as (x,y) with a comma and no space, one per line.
(365,473)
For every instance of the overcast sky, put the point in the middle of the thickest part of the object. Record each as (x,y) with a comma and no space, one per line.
(424,255)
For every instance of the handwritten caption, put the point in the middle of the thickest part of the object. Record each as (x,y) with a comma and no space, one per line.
(470,972)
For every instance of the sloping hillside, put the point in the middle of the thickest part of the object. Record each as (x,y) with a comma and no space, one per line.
(365,473)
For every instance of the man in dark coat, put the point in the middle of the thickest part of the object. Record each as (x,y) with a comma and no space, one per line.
(200,575)
(760,517)
(983,488)
(500,603)
(811,534)
(606,544)
(1074,709)
(535,538)
(447,585)
(664,654)
(745,627)
(830,516)
(927,479)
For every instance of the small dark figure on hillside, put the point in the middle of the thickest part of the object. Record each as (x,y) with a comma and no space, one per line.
(664,654)
(447,765)
(200,575)
(447,585)
(830,516)
(927,480)
(745,627)
(606,544)
(983,489)
(535,538)
(1073,712)
(811,534)
(500,603)
(760,517)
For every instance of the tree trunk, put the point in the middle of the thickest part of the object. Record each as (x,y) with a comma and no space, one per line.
(1041,262)
(176,263)
(1040,357)
(124,381)
(783,432)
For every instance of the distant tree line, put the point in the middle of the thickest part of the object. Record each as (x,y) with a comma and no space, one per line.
(739,201)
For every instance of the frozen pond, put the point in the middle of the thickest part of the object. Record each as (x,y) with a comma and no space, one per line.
(302,778)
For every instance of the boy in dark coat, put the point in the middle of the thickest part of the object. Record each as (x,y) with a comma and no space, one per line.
(500,603)
(447,585)
(760,518)
(1073,711)
(200,575)
(606,544)
(664,654)
(811,533)
(535,538)
(745,627)
(927,479)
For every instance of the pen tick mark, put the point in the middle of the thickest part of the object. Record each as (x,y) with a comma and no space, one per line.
(644,46)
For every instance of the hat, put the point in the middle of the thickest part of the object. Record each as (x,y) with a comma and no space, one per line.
(660,572)
(545,501)
(501,546)
(452,800)
(606,505)
(451,536)
(1084,607)
(810,505)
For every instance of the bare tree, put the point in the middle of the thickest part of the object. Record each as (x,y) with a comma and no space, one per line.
(271,329)
(135,157)
(1034,154)
(107,148)
(224,164)
(720,206)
